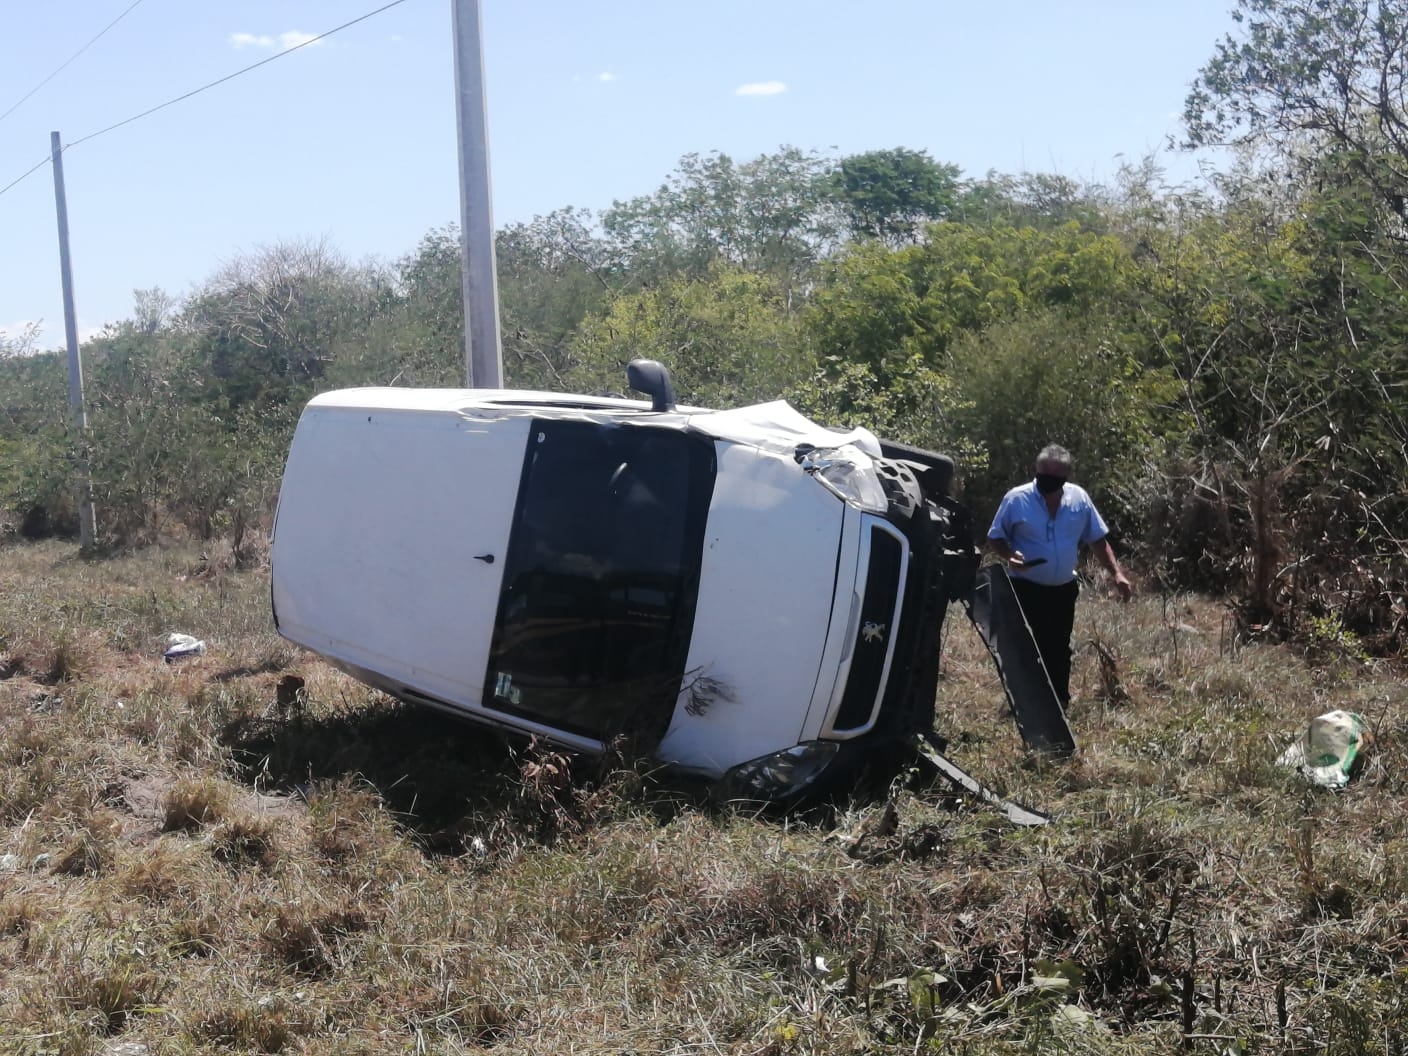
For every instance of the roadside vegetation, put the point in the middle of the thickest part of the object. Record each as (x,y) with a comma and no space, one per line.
(247,852)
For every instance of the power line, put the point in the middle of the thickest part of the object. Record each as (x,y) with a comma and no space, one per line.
(42,162)
(63,67)
(237,73)
(206,87)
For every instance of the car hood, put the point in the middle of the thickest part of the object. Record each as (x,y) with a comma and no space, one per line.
(766,594)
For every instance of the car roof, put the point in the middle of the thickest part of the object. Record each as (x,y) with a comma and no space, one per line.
(397,398)
(774,425)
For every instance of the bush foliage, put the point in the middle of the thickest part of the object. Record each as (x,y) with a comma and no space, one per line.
(1224,364)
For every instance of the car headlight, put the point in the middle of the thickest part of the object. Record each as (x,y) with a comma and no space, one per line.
(847,472)
(781,775)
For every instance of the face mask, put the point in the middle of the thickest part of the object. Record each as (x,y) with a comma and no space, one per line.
(1049,483)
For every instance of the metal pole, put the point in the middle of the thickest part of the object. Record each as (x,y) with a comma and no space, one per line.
(87,523)
(483,354)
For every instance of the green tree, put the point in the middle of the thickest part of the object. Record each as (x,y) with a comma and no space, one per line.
(553,272)
(1276,307)
(36,442)
(268,325)
(916,404)
(886,307)
(166,457)
(414,328)
(770,215)
(727,339)
(1032,199)
(1306,77)
(1049,376)
(19,344)
(891,194)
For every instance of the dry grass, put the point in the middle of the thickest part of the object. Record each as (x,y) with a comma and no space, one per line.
(197,862)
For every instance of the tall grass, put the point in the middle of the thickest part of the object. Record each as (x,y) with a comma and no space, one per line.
(195,862)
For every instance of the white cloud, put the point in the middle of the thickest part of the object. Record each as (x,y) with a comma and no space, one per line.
(294,37)
(290,38)
(761,88)
(606,77)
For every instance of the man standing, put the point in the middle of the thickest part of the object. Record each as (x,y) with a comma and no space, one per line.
(1038,531)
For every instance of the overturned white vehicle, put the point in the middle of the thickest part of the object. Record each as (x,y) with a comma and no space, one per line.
(754,598)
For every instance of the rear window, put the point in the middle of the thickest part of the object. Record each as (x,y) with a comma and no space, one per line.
(601,577)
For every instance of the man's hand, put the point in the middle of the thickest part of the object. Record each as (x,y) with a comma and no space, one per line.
(1102,549)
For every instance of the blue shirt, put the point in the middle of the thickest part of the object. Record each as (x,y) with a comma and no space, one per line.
(1024,522)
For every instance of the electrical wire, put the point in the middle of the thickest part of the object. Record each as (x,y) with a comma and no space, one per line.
(237,73)
(206,87)
(42,162)
(65,66)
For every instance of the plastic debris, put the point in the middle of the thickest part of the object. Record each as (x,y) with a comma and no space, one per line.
(1327,752)
(180,646)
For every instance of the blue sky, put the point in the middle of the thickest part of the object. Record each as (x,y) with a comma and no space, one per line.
(353,140)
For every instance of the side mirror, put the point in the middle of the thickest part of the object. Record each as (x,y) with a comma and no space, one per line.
(651,378)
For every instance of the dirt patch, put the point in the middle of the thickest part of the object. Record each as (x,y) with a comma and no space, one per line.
(143,800)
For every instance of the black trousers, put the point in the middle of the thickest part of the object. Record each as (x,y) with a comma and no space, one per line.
(1051,614)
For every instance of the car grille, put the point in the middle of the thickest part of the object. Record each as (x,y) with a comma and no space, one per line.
(875,631)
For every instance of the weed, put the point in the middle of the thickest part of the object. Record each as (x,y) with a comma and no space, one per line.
(52,655)
(347,821)
(244,839)
(195,802)
(466,1019)
(169,869)
(116,990)
(305,939)
(423,886)
(264,1026)
(19,912)
(204,931)
(1327,638)
(91,848)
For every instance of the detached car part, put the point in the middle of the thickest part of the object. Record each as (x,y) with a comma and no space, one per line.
(997,614)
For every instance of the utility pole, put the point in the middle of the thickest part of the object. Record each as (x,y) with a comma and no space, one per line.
(483,353)
(87,523)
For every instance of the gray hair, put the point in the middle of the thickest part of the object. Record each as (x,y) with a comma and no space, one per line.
(1055,453)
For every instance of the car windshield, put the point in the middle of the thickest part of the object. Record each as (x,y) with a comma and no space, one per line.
(601,577)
